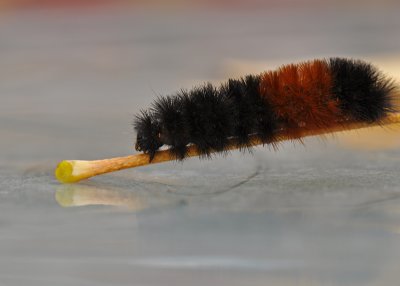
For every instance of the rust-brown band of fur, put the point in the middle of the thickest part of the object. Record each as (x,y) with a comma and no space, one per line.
(301,95)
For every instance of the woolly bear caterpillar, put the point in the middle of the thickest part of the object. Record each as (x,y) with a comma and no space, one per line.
(318,94)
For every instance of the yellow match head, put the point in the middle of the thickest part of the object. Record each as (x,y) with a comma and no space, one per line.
(71,171)
(63,172)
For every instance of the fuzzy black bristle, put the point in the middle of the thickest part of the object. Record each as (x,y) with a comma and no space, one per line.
(252,114)
(208,118)
(169,113)
(363,92)
(265,119)
(148,132)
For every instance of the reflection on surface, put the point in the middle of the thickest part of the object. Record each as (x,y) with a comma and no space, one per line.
(84,195)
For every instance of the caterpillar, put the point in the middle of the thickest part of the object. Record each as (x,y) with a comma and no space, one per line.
(317,94)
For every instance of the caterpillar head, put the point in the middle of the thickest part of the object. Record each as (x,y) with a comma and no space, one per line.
(148,134)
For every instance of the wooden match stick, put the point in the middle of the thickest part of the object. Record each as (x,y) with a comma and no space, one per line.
(71,171)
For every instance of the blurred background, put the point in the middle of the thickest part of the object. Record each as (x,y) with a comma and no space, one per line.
(73,73)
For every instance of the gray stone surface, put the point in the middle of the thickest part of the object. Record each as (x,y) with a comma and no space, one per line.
(70,84)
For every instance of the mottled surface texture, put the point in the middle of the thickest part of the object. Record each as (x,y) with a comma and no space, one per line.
(70,84)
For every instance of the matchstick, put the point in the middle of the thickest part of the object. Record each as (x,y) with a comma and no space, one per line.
(71,171)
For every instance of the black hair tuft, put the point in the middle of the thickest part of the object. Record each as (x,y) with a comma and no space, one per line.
(252,113)
(363,92)
(169,113)
(208,118)
(147,129)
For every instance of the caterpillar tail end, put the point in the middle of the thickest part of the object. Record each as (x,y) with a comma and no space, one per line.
(72,171)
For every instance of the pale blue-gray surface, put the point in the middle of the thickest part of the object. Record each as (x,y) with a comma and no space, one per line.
(70,84)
